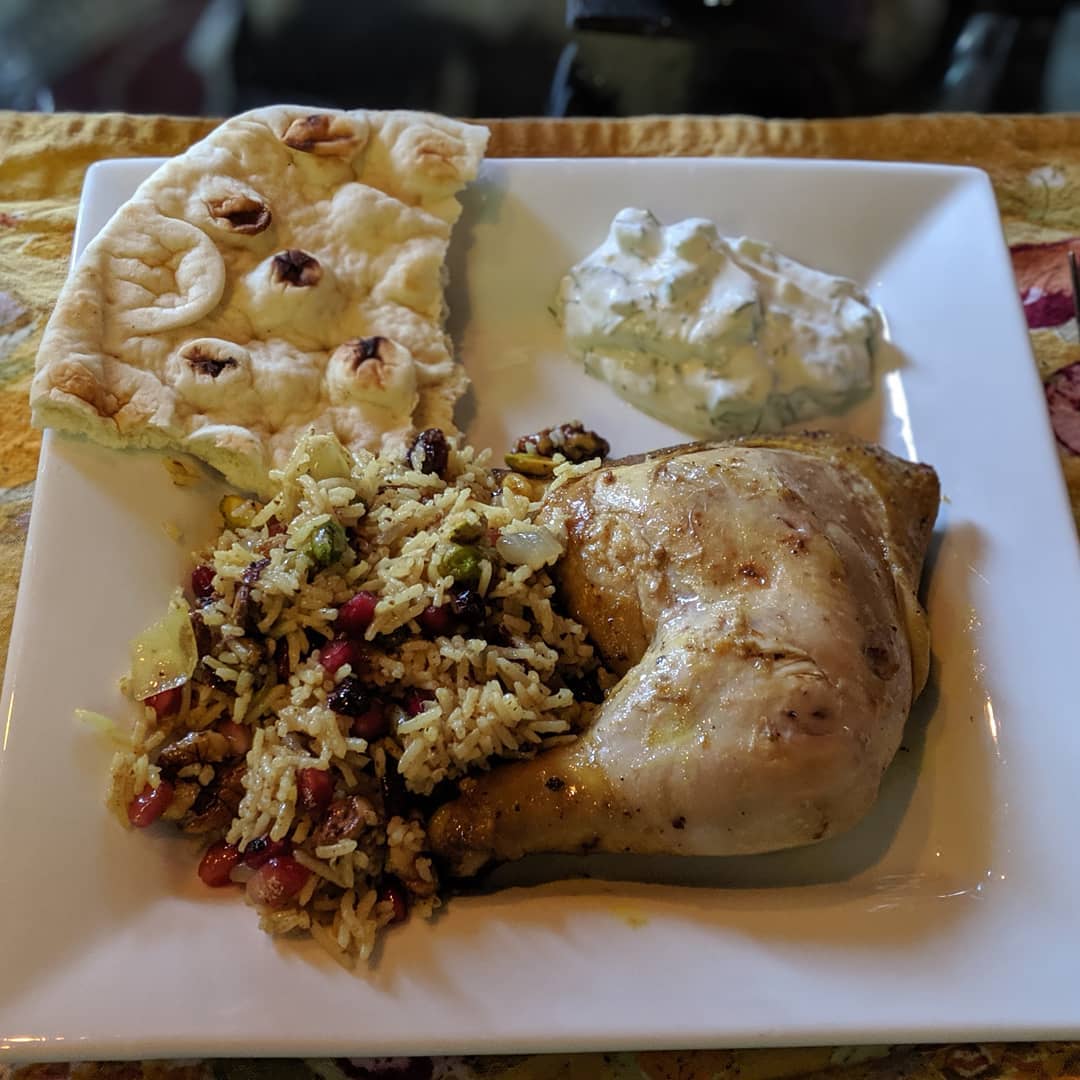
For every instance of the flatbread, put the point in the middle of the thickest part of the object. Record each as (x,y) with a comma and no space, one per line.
(284,273)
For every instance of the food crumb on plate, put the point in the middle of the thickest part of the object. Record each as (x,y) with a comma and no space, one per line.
(182,473)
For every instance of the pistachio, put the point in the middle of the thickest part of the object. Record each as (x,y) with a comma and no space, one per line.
(462,562)
(328,543)
(469,529)
(531,464)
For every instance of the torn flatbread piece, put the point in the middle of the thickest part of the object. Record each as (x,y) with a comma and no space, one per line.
(284,273)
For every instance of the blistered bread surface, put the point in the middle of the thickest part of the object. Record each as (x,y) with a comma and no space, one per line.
(285,272)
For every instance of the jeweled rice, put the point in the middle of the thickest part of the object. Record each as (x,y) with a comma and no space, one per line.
(496,690)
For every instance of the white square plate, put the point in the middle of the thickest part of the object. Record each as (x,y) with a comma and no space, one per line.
(949,913)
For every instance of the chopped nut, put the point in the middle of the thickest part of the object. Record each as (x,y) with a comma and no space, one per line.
(572,440)
(469,529)
(345,820)
(217,803)
(520,485)
(197,747)
(184,796)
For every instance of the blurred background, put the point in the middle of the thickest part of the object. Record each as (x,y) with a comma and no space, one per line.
(490,58)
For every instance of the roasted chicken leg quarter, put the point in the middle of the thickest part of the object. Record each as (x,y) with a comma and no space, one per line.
(759,600)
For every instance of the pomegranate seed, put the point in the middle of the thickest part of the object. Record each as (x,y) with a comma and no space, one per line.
(395,892)
(164,703)
(355,615)
(150,804)
(435,620)
(262,849)
(239,736)
(337,654)
(275,527)
(416,701)
(217,864)
(276,882)
(202,581)
(314,789)
(372,724)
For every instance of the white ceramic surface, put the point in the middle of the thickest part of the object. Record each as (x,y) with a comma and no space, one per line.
(949,913)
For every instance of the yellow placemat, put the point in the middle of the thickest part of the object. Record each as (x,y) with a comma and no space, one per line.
(1034,164)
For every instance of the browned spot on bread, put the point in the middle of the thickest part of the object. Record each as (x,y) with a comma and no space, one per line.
(325,135)
(240,213)
(206,361)
(360,349)
(296,267)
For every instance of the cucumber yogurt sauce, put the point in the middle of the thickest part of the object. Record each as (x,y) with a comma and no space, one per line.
(716,335)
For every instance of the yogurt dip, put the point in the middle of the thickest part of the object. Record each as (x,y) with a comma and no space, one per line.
(716,335)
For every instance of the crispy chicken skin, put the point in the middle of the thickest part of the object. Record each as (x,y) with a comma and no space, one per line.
(759,599)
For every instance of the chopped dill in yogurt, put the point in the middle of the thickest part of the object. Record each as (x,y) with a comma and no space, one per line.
(716,335)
